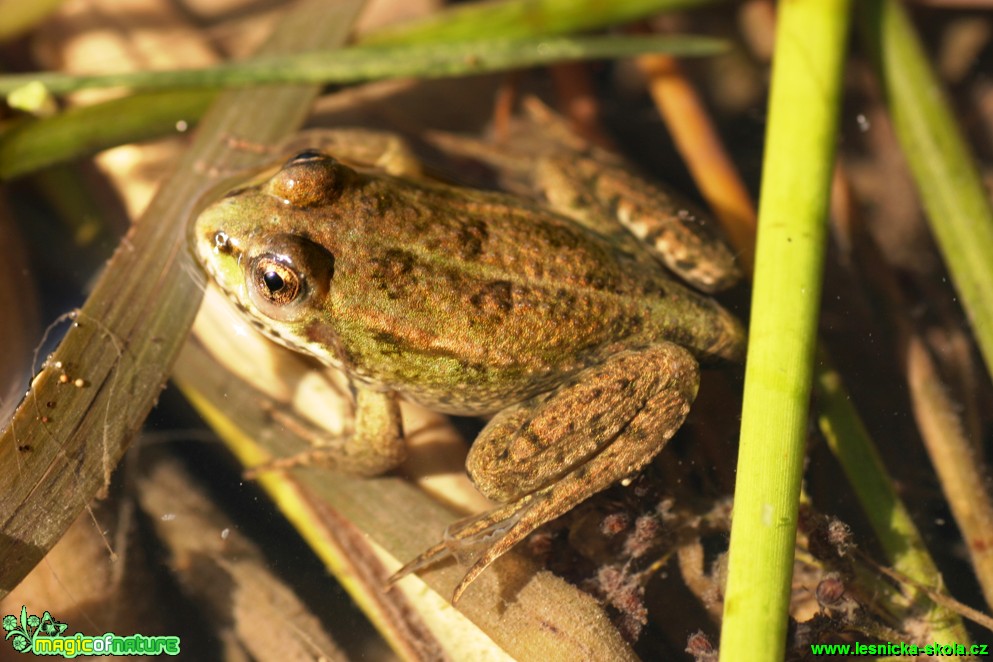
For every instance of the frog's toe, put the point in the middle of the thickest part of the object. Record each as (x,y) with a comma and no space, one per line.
(475,541)
(314,457)
(425,559)
(479,541)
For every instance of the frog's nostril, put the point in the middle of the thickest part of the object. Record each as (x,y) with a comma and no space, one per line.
(222,242)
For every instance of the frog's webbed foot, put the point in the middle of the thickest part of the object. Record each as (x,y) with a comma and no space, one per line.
(546,455)
(328,452)
(376,445)
(475,542)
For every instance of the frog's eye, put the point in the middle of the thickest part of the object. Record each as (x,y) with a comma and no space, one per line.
(289,279)
(309,179)
(307,155)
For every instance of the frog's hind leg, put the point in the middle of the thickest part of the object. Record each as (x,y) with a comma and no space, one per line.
(606,196)
(545,456)
(599,190)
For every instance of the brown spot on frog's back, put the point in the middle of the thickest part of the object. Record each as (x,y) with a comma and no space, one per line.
(495,298)
(603,280)
(472,236)
(392,272)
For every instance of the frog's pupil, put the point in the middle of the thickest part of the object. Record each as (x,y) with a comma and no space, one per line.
(273,281)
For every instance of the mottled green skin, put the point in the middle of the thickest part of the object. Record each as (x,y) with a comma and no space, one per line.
(462,300)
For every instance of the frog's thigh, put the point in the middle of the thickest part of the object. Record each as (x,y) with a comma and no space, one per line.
(605,423)
(366,147)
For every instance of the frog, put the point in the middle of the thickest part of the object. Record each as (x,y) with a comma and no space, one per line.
(574,317)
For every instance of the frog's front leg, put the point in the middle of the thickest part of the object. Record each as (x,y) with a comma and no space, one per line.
(376,446)
(544,456)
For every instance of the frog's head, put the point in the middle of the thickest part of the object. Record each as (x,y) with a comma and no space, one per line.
(254,245)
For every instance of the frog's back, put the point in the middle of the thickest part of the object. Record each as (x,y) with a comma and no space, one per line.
(466,301)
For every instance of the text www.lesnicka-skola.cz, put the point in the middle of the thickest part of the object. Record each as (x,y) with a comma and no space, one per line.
(901,649)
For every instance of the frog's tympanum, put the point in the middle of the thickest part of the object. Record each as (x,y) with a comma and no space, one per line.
(560,319)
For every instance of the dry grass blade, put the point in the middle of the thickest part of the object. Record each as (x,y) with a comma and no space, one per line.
(17,293)
(94,392)
(698,143)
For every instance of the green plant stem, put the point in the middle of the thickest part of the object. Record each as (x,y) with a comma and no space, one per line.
(803,112)
(378,62)
(948,182)
(35,143)
(522,18)
(901,541)
(31,144)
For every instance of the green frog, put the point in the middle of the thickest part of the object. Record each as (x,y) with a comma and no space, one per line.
(559,318)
